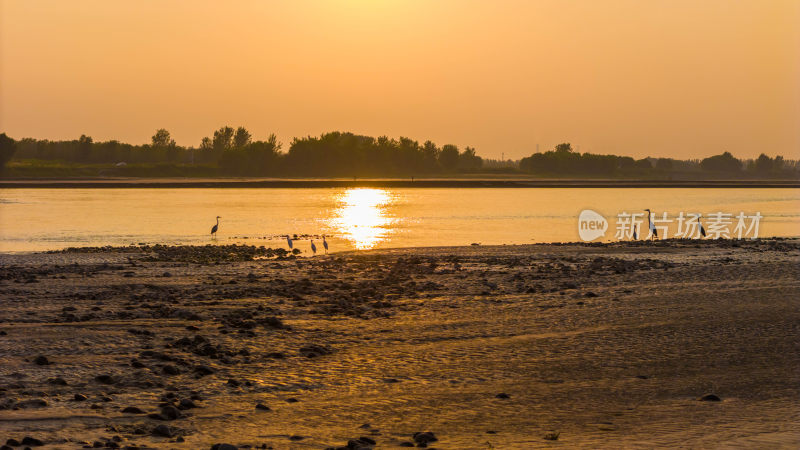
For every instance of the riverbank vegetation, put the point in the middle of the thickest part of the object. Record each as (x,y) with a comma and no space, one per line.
(230,152)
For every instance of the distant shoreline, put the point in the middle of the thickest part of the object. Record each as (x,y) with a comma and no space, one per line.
(174,183)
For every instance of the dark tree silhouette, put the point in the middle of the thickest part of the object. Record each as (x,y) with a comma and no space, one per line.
(644,163)
(84,147)
(430,157)
(721,163)
(162,139)
(241,138)
(468,161)
(223,139)
(562,161)
(564,148)
(448,157)
(763,164)
(206,144)
(7,148)
(254,158)
(664,164)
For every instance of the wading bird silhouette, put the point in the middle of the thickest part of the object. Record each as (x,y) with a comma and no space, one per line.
(313,247)
(702,230)
(325,244)
(215,228)
(653,231)
(289,241)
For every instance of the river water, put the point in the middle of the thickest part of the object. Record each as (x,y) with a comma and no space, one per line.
(363,218)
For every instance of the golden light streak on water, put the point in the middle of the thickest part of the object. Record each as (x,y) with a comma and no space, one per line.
(361,217)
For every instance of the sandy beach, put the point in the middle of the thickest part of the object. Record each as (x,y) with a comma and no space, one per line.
(626,345)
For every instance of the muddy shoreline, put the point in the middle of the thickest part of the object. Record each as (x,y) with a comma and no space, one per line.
(596,346)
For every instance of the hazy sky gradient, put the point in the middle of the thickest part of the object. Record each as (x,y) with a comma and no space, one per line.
(681,78)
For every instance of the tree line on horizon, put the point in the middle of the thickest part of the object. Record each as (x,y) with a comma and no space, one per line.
(564,161)
(234,152)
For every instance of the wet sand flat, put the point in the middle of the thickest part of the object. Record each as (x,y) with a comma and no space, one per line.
(601,346)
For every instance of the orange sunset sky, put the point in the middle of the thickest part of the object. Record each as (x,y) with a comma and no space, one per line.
(680,78)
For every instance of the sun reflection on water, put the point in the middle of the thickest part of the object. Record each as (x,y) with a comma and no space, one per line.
(361,217)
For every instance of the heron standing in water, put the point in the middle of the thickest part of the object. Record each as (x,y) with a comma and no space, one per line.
(653,231)
(702,230)
(313,247)
(325,244)
(215,228)
(289,241)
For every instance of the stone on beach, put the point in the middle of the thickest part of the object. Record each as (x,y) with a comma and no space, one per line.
(105,379)
(31,441)
(162,430)
(224,447)
(424,437)
(168,412)
(132,410)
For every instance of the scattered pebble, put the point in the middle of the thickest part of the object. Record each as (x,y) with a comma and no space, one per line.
(57,381)
(552,436)
(424,437)
(224,447)
(314,350)
(132,410)
(186,404)
(105,379)
(33,403)
(33,442)
(162,430)
(136,364)
(168,412)
(169,369)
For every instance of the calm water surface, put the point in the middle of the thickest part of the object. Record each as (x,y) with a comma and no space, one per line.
(44,219)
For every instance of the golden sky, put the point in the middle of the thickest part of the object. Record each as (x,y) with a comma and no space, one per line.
(681,78)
